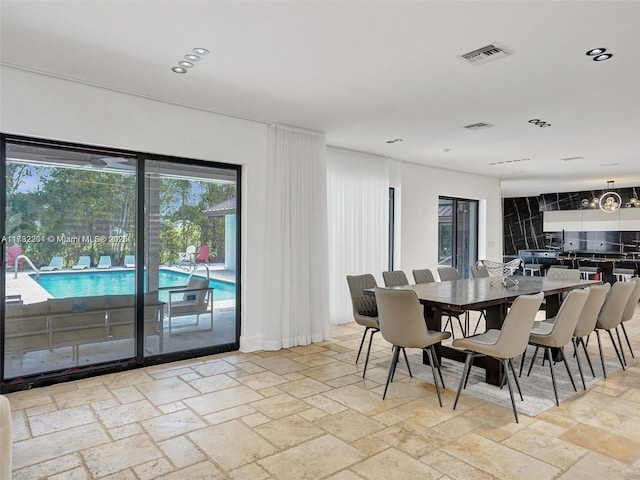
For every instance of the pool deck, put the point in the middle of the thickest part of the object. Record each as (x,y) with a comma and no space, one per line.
(30,291)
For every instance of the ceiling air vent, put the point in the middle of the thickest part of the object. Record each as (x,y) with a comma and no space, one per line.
(486,54)
(478,126)
(571,159)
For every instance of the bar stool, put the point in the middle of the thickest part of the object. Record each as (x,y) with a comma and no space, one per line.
(534,267)
(624,274)
(586,271)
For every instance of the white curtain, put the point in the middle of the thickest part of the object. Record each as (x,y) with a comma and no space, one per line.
(296,273)
(357,209)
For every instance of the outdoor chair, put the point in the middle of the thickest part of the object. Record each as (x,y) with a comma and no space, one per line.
(83,262)
(129,261)
(194,299)
(203,255)
(54,264)
(105,261)
(188,257)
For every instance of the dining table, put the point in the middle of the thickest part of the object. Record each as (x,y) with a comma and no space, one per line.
(492,295)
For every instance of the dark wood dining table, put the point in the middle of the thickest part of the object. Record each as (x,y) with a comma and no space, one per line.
(488,294)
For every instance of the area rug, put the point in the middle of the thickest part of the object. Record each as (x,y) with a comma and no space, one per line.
(537,388)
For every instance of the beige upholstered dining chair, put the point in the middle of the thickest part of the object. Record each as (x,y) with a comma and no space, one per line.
(5,439)
(395,278)
(563,274)
(504,344)
(447,274)
(402,325)
(423,275)
(587,323)
(477,271)
(365,310)
(630,310)
(557,334)
(611,315)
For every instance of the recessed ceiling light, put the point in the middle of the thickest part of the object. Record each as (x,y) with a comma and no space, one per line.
(185,64)
(596,51)
(200,51)
(179,70)
(192,58)
(604,56)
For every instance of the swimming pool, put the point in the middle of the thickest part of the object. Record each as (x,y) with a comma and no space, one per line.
(119,282)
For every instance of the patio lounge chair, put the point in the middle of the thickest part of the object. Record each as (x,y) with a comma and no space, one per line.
(105,261)
(54,264)
(193,300)
(129,261)
(188,257)
(83,262)
(12,253)
(203,254)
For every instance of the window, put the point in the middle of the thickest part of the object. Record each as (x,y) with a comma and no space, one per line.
(458,233)
(113,258)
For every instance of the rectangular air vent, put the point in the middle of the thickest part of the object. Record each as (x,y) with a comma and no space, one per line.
(478,126)
(486,54)
(571,159)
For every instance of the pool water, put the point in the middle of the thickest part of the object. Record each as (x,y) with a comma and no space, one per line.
(119,282)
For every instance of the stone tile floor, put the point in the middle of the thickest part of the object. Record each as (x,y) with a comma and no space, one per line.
(306,413)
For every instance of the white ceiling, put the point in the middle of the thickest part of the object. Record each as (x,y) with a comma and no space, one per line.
(364,72)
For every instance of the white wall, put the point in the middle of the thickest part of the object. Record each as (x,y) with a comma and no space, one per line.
(46,107)
(420,188)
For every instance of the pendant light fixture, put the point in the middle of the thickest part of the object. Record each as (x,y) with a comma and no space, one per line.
(610,201)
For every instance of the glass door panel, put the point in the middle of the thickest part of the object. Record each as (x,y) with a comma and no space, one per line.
(190,254)
(458,234)
(70,217)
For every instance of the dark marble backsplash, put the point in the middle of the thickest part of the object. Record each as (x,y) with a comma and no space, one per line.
(523,227)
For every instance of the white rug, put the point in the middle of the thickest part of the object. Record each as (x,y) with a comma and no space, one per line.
(537,389)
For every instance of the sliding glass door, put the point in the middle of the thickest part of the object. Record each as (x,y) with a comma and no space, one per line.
(458,233)
(113,258)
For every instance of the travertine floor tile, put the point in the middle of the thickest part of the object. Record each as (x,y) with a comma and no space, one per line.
(254,416)
(596,440)
(312,460)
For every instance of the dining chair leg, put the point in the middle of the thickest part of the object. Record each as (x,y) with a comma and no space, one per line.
(615,347)
(564,359)
(513,401)
(450,323)
(464,332)
(586,353)
(466,378)
(482,315)
(433,371)
(575,352)
(404,352)
(535,353)
(522,359)
(467,366)
(547,352)
(366,361)
(515,378)
(364,335)
(435,360)
(620,343)
(604,372)
(624,330)
(392,369)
